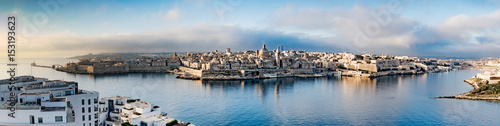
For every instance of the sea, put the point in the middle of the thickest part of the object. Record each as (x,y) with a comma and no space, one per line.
(389,100)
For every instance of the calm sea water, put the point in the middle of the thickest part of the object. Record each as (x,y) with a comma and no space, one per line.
(396,100)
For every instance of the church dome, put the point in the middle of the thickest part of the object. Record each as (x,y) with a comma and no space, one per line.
(263,52)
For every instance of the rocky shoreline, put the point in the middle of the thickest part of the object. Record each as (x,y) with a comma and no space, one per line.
(466,96)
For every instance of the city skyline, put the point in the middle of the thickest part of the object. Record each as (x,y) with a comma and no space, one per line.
(416,28)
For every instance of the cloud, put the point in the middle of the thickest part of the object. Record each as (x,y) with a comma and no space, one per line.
(392,34)
(462,35)
(382,30)
(195,38)
(312,29)
(172,14)
(463,27)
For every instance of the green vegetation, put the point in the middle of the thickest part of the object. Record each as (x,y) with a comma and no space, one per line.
(174,122)
(127,124)
(486,90)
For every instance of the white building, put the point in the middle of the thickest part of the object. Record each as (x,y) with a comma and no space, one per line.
(491,77)
(117,110)
(39,101)
(43,102)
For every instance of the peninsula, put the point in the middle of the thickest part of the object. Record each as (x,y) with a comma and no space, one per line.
(262,63)
(486,85)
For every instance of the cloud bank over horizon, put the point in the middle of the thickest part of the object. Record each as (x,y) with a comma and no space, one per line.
(383,27)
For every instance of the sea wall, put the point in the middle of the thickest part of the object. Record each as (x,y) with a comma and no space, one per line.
(191,71)
(149,68)
(300,71)
(107,69)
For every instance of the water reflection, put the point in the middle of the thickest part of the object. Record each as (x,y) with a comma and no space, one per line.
(261,87)
(390,100)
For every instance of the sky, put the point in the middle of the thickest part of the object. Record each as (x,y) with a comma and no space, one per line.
(65,28)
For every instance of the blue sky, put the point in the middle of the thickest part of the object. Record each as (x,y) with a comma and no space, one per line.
(417,28)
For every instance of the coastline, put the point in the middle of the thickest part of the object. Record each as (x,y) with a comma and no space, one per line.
(189,73)
(345,73)
(466,96)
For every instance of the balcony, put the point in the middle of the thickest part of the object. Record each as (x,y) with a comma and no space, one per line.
(52,109)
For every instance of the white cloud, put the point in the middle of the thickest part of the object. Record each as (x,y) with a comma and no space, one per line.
(457,35)
(198,38)
(395,33)
(172,14)
(463,28)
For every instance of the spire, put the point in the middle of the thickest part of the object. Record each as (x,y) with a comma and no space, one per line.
(264,46)
(278,49)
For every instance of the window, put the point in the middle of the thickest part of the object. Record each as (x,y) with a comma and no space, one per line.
(59,119)
(83,118)
(88,101)
(83,124)
(90,109)
(90,117)
(68,93)
(40,120)
(83,101)
(143,123)
(2,98)
(83,109)
(32,119)
(90,124)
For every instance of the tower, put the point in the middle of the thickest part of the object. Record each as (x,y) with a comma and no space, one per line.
(278,61)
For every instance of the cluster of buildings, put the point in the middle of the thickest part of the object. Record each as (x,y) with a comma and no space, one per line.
(277,63)
(491,68)
(491,76)
(264,63)
(39,101)
(486,62)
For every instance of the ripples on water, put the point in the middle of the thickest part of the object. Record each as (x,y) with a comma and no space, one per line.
(395,100)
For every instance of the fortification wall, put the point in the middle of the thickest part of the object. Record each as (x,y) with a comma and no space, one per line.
(191,71)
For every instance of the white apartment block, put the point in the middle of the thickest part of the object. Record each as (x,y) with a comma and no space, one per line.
(491,77)
(117,110)
(40,101)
